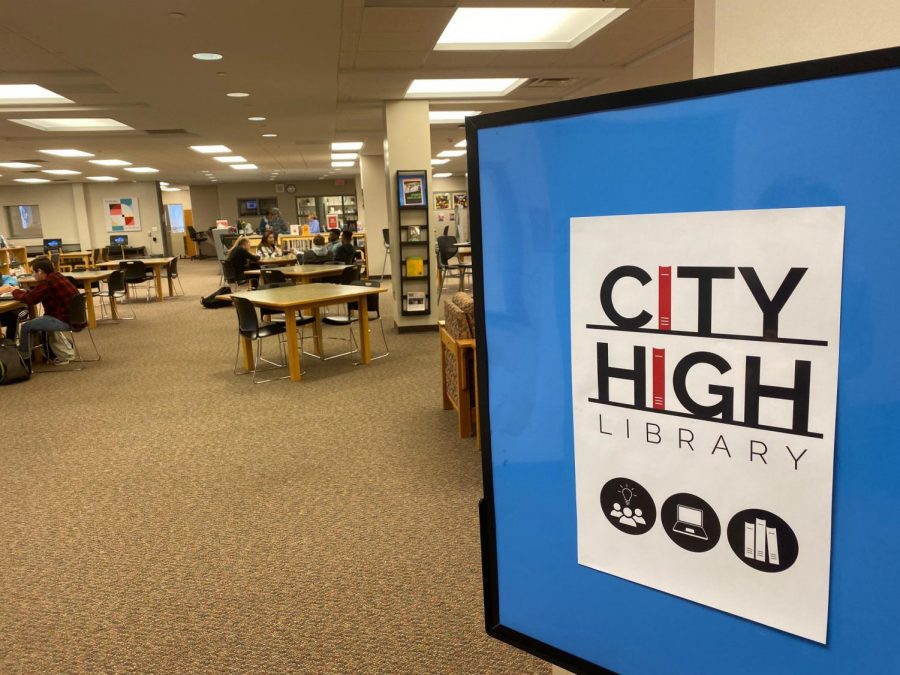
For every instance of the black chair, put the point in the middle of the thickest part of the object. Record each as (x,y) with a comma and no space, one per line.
(54,258)
(115,289)
(446,252)
(230,275)
(386,233)
(198,238)
(249,328)
(172,273)
(373,306)
(77,316)
(136,272)
(272,276)
(349,275)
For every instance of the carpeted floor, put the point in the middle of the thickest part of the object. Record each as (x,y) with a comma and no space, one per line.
(159,514)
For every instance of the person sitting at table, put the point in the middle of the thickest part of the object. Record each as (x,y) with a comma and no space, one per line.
(334,239)
(241,259)
(55,292)
(9,320)
(268,248)
(345,252)
(319,253)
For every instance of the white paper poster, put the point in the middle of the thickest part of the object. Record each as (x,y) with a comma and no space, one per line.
(704,384)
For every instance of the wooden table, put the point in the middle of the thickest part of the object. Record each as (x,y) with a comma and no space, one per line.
(290,259)
(157,264)
(303,274)
(86,257)
(292,299)
(86,279)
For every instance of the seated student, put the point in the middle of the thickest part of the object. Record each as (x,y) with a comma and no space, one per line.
(319,253)
(334,239)
(345,252)
(54,291)
(268,247)
(240,257)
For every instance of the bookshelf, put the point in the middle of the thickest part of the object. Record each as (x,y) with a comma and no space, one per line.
(9,257)
(415,252)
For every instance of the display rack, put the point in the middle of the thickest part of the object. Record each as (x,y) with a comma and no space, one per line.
(415,248)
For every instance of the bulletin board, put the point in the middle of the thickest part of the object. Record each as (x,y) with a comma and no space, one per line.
(686,328)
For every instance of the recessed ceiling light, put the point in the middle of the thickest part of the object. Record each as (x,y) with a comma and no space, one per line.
(244,167)
(346,145)
(438,162)
(28,94)
(343,155)
(74,124)
(19,165)
(32,180)
(339,165)
(237,94)
(61,172)
(441,175)
(451,153)
(163,183)
(452,88)
(110,162)
(103,179)
(270,135)
(257,119)
(231,159)
(207,56)
(141,169)
(461,144)
(170,189)
(67,152)
(210,149)
(450,116)
(487,28)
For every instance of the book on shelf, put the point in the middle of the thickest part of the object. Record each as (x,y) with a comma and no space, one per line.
(414,233)
(415,267)
(415,301)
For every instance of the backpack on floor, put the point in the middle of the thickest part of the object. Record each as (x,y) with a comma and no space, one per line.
(211,301)
(12,366)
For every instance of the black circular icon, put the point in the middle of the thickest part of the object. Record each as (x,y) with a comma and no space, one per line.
(762,540)
(690,522)
(627,506)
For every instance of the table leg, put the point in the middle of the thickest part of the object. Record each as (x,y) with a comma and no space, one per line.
(317,338)
(157,271)
(290,323)
(365,348)
(171,287)
(247,345)
(112,308)
(89,304)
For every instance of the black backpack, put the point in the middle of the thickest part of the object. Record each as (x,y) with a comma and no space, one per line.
(12,366)
(212,300)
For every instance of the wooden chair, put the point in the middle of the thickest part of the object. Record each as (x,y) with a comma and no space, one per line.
(458,370)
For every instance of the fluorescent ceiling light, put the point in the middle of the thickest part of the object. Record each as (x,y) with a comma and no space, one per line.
(451,153)
(461,144)
(32,180)
(237,94)
(207,56)
(141,169)
(441,175)
(339,165)
(244,167)
(163,183)
(452,88)
(450,116)
(210,149)
(438,162)
(19,165)
(270,135)
(487,28)
(170,189)
(346,145)
(343,155)
(61,172)
(257,119)
(28,94)
(67,152)
(231,159)
(103,179)
(110,162)
(74,124)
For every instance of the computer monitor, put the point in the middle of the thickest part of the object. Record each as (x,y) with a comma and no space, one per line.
(52,243)
(118,240)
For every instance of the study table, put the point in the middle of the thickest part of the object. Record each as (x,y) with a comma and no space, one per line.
(292,299)
(86,257)
(157,264)
(85,279)
(289,259)
(303,274)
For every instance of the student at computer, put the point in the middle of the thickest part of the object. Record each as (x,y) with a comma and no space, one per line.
(345,252)
(268,247)
(241,259)
(55,292)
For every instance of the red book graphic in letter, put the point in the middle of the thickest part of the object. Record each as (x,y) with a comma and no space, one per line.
(659,379)
(665,298)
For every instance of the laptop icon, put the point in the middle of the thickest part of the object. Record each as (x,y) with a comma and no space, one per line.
(690,522)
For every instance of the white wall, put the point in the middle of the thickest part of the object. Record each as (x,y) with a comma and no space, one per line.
(148,211)
(56,207)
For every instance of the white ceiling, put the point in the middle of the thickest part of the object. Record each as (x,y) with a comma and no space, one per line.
(318,70)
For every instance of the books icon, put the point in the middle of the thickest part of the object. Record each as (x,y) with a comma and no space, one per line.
(760,540)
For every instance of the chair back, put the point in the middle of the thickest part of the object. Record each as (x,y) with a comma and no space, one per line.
(104,253)
(116,282)
(135,271)
(97,255)
(274,284)
(77,310)
(349,274)
(248,322)
(228,272)
(386,233)
(54,258)
(172,268)
(446,249)
(372,303)
(446,230)
(270,276)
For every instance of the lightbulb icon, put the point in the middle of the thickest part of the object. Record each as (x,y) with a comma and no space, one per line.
(627,494)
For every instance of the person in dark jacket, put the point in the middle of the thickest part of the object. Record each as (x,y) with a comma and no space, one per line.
(344,252)
(241,258)
(319,253)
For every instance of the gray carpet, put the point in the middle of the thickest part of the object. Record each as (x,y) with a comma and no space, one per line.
(159,514)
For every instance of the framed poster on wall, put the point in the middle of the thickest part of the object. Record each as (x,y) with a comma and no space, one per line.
(412,192)
(122,214)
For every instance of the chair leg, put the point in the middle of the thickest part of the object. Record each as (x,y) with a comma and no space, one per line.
(387,253)
(387,351)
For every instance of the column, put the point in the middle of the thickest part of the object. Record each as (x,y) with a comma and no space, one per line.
(82,222)
(374,191)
